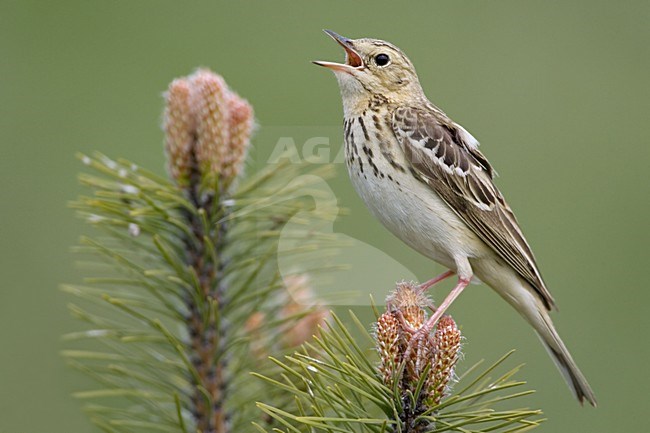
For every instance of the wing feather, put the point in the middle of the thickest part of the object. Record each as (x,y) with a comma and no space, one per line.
(446,157)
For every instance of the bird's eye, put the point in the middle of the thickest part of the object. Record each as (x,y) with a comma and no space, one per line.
(382,59)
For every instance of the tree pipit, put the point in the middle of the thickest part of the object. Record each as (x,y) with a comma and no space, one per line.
(422,175)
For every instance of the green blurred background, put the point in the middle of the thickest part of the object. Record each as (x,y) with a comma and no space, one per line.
(557,93)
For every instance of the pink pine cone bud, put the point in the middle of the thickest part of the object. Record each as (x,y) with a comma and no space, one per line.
(207,128)
(301,309)
(178,125)
(389,346)
(447,340)
(241,127)
(401,338)
(302,299)
(210,105)
(410,303)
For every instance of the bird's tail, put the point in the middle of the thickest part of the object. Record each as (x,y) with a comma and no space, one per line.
(524,299)
(561,357)
(530,306)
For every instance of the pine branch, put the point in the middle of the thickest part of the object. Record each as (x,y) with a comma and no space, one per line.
(402,386)
(186,298)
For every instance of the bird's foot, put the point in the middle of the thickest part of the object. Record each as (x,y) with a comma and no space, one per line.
(419,344)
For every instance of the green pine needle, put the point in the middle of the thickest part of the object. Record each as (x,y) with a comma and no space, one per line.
(134,304)
(336,388)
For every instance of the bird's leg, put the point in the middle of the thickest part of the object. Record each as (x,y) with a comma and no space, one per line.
(428,326)
(462,283)
(424,286)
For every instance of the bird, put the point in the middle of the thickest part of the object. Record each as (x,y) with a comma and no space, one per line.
(423,177)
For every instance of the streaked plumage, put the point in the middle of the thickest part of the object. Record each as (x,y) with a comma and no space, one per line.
(423,177)
(446,157)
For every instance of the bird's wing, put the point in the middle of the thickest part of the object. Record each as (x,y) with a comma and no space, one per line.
(446,158)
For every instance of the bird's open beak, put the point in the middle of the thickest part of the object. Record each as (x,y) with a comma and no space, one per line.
(353,61)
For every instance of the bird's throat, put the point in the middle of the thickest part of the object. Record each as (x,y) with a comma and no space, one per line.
(354,96)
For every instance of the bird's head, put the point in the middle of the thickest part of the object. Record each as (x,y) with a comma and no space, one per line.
(373,67)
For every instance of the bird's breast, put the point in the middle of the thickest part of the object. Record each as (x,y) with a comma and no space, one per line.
(381,175)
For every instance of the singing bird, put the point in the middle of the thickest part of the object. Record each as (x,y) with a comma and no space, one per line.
(422,175)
